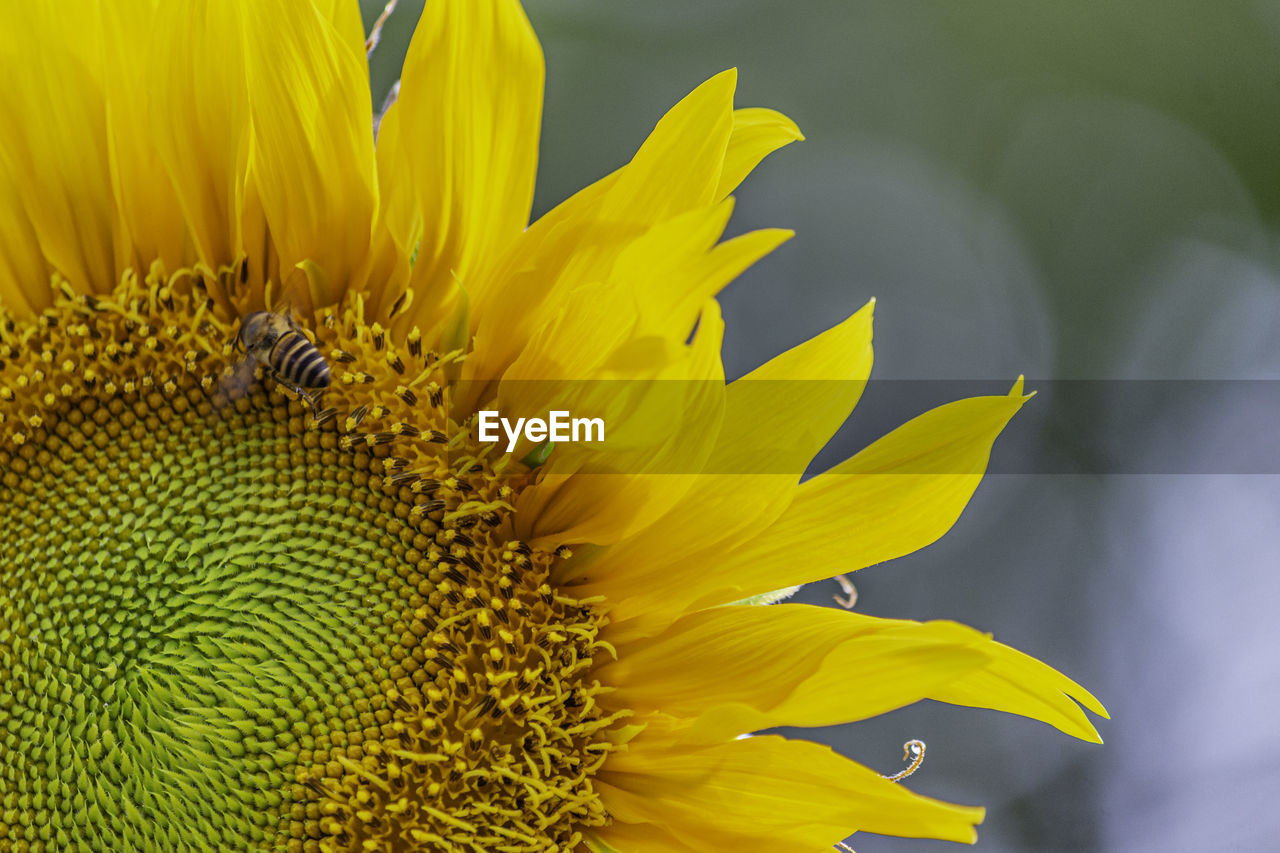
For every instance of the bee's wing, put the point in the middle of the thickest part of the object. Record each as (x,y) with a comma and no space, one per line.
(292,302)
(234,382)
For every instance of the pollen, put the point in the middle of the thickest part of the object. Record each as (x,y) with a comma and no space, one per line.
(230,624)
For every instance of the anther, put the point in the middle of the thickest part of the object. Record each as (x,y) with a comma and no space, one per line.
(355,418)
(427,487)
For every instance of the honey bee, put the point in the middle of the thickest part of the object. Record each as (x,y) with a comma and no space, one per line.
(277,343)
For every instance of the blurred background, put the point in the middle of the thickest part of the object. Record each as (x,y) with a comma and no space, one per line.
(1086,193)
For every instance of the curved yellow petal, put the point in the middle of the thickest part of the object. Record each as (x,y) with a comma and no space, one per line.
(470,112)
(765,794)
(678,265)
(1019,684)
(757,133)
(776,418)
(783,412)
(399,223)
(311,156)
(199,127)
(395,195)
(344,17)
(743,669)
(53,139)
(600,494)
(636,838)
(24,274)
(151,224)
(895,497)
(578,243)
(678,166)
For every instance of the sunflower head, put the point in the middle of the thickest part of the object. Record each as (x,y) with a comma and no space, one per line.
(265,584)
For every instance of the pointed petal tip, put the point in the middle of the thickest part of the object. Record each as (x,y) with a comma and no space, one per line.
(788,124)
(1018,389)
(727,79)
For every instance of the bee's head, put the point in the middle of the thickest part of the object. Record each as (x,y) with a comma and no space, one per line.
(253,329)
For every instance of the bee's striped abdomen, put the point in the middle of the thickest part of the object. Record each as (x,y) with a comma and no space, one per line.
(297,361)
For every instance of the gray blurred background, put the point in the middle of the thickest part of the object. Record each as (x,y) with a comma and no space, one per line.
(1071,191)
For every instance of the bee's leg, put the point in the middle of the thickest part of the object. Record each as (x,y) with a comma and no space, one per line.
(305,395)
(311,399)
(297,389)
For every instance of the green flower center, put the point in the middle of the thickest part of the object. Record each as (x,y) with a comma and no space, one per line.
(225,627)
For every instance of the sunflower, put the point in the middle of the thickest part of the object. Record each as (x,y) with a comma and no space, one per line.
(237,613)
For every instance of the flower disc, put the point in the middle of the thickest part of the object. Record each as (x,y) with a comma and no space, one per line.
(233,626)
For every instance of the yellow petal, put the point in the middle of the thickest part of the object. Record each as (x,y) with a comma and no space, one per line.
(344,17)
(199,127)
(757,133)
(677,265)
(151,224)
(637,838)
(312,147)
(470,112)
(24,275)
(893,498)
(654,270)
(744,669)
(576,244)
(602,493)
(398,225)
(395,196)
(1019,684)
(765,794)
(776,418)
(783,412)
(53,141)
(679,165)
